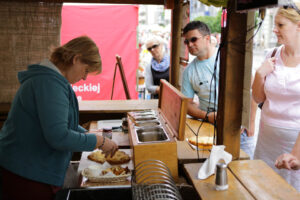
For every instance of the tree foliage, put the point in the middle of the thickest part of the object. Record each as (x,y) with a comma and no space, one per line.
(213,22)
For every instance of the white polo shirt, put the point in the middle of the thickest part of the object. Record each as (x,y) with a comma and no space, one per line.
(196,79)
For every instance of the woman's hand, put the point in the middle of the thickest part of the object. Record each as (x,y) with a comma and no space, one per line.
(109,147)
(106,145)
(267,67)
(287,161)
(258,93)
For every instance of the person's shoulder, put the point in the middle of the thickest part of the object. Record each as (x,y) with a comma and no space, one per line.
(148,65)
(51,79)
(189,71)
(192,64)
(148,69)
(188,68)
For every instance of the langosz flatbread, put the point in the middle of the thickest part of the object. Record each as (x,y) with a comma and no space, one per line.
(204,142)
(119,158)
(97,156)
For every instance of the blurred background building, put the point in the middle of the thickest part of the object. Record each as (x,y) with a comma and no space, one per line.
(199,9)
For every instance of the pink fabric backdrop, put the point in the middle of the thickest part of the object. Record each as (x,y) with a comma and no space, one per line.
(114,29)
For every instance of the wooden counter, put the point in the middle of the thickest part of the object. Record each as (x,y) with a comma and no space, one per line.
(99,110)
(206,190)
(116,106)
(262,181)
(111,109)
(119,137)
(247,179)
(192,125)
(186,154)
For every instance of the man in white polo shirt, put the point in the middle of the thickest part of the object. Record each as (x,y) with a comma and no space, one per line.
(197,79)
(197,76)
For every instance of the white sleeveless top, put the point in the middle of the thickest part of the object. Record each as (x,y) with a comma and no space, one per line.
(282,89)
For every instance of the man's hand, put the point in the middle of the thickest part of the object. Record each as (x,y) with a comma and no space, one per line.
(157,90)
(211,117)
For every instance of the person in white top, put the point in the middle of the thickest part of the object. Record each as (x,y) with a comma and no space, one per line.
(277,84)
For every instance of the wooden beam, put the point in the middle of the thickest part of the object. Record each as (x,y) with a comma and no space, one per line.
(175,41)
(169,4)
(247,99)
(151,2)
(231,81)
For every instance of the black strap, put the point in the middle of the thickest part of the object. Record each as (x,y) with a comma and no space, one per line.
(274,52)
(260,105)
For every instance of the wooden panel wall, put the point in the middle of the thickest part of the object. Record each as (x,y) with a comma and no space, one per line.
(27,31)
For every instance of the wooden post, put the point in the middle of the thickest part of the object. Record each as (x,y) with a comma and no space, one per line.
(169,4)
(231,81)
(175,41)
(246,120)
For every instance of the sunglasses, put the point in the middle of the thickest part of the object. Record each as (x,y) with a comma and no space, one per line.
(192,40)
(152,47)
(293,6)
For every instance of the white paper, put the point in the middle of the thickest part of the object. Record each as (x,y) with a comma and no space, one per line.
(109,123)
(209,166)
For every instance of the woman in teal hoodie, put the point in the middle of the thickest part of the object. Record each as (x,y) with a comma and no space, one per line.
(42,130)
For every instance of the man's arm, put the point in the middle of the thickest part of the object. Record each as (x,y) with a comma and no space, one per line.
(194,111)
(192,107)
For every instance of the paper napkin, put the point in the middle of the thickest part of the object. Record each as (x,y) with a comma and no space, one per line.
(209,166)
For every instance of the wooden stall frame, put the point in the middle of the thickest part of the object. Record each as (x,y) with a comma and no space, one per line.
(227,129)
(124,81)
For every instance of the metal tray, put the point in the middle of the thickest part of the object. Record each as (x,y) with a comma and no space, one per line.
(151,134)
(147,123)
(145,118)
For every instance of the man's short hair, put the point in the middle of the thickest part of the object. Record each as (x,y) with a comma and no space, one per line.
(201,26)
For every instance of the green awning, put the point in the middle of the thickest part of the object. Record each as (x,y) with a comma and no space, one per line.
(216,3)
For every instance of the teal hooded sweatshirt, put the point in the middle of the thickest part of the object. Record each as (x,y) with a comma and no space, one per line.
(42,131)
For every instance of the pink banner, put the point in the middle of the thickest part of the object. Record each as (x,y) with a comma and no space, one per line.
(114,29)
